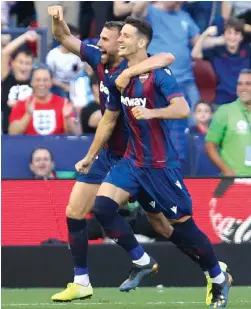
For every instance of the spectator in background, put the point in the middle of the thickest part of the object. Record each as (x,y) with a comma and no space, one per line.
(42,165)
(80,90)
(121,9)
(43,113)
(199,162)
(71,14)
(231,130)
(16,66)
(5,12)
(90,115)
(64,66)
(227,60)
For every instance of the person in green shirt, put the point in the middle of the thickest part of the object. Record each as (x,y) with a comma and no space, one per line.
(42,166)
(231,131)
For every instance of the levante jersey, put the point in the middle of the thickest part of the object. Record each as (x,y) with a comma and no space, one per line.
(92,55)
(149,143)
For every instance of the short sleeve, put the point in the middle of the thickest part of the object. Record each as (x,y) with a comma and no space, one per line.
(218,126)
(17,111)
(167,84)
(50,59)
(90,54)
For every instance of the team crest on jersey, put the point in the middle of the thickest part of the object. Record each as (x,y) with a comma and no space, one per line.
(143,77)
(44,121)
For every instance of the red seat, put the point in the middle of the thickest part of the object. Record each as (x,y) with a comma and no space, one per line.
(206,79)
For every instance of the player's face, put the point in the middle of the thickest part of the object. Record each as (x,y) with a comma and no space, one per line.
(108,43)
(42,165)
(41,83)
(22,66)
(232,37)
(129,41)
(244,88)
(203,113)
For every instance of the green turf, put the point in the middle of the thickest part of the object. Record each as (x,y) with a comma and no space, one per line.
(142,298)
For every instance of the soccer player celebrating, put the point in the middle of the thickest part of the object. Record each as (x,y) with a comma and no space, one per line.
(104,60)
(150,161)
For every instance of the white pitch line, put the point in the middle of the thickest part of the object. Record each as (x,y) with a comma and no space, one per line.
(108,303)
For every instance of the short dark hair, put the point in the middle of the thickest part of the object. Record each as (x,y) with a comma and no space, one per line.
(142,26)
(203,102)
(26,52)
(236,24)
(74,30)
(114,24)
(245,71)
(41,148)
(41,66)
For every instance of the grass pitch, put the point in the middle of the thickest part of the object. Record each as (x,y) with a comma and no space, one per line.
(111,298)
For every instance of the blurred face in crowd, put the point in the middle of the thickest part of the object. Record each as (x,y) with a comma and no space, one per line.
(108,44)
(130,42)
(203,113)
(42,164)
(41,83)
(244,88)
(232,38)
(172,6)
(22,66)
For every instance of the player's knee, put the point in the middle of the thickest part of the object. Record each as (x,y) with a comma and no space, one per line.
(77,211)
(105,207)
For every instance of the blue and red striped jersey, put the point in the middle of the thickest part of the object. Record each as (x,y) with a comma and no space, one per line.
(149,142)
(92,55)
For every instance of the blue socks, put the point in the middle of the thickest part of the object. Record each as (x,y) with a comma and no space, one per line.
(78,242)
(194,243)
(115,227)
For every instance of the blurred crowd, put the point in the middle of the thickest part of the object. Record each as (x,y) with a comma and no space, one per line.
(60,94)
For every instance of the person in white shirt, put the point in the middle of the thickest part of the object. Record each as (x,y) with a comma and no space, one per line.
(64,65)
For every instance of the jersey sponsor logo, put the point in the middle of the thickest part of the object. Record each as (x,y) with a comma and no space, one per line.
(104,89)
(143,77)
(168,71)
(174,209)
(44,121)
(152,203)
(242,127)
(133,101)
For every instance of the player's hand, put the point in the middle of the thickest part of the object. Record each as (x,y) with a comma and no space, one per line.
(140,112)
(67,109)
(56,12)
(31,36)
(211,31)
(83,166)
(229,173)
(122,80)
(30,105)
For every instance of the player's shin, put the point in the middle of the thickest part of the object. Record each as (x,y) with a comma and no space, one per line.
(194,243)
(78,242)
(118,229)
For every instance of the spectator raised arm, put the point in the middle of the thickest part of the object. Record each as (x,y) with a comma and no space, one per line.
(122,8)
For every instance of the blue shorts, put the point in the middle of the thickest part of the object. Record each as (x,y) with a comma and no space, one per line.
(165,187)
(100,167)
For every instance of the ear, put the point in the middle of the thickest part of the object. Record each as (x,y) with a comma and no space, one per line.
(53,165)
(31,167)
(142,42)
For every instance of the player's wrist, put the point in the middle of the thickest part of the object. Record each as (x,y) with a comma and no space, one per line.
(128,73)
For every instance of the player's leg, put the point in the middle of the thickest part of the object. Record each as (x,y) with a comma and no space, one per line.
(80,203)
(119,184)
(166,186)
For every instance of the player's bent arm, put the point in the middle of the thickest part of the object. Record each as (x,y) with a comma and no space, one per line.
(212,152)
(61,31)
(19,126)
(178,109)
(103,132)
(158,61)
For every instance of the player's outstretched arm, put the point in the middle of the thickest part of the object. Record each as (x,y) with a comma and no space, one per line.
(103,133)
(61,31)
(158,61)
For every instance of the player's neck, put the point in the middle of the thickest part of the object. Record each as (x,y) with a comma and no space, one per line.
(136,58)
(115,62)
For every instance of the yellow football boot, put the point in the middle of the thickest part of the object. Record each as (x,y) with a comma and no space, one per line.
(73,291)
